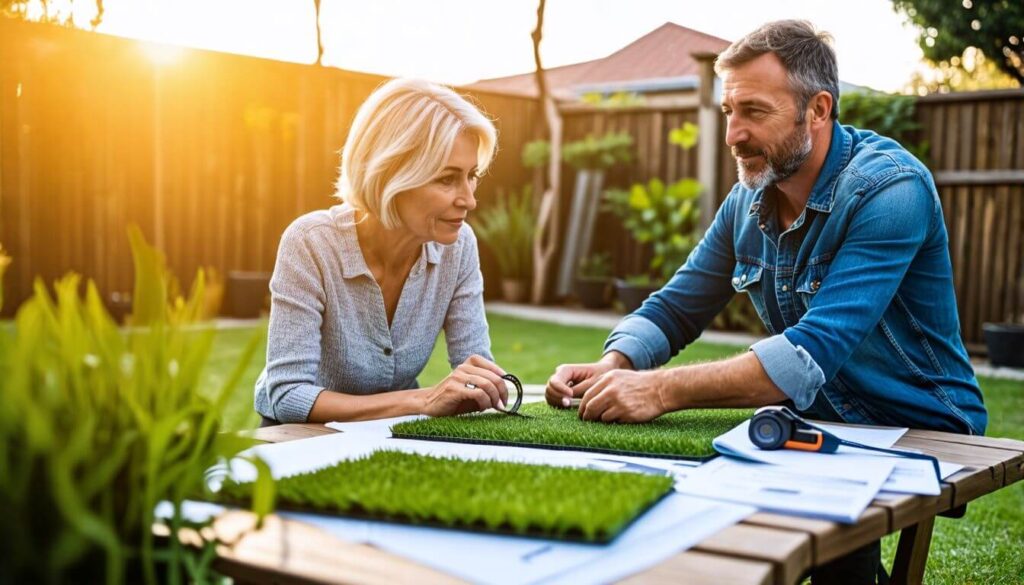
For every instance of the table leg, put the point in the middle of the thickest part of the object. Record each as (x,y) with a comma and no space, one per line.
(912,553)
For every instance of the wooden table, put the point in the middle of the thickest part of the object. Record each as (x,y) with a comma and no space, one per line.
(765,548)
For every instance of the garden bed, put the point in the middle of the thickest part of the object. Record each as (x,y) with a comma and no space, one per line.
(678,435)
(490,496)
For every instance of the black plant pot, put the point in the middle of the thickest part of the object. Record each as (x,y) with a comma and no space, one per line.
(594,293)
(247,294)
(632,295)
(1005,343)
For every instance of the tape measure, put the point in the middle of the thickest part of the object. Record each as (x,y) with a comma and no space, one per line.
(778,427)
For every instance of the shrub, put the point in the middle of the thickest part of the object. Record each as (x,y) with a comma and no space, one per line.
(665,216)
(889,115)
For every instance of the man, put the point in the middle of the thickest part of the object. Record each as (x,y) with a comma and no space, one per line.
(837,236)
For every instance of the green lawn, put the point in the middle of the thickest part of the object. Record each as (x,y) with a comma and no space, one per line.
(984,547)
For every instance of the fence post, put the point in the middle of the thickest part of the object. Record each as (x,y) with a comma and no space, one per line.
(708,150)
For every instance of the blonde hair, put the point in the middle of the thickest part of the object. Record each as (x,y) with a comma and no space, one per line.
(401,137)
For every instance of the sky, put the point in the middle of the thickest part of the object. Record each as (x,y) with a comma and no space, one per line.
(459,41)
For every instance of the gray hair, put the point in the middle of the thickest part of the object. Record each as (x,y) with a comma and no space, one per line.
(805,52)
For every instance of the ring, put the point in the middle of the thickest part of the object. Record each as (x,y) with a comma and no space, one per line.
(471,386)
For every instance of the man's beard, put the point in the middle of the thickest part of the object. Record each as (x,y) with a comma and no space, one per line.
(778,165)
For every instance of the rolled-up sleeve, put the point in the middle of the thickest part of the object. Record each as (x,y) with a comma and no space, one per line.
(885,234)
(640,340)
(790,368)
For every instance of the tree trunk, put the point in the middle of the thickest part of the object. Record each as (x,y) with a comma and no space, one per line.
(319,38)
(545,242)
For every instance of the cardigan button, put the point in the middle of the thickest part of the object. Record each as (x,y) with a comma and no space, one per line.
(387,351)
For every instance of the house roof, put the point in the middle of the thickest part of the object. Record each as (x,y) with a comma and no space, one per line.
(663,53)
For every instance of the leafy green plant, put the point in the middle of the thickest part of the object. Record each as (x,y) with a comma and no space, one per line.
(889,115)
(687,434)
(664,216)
(618,99)
(599,152)
(507,228)
(493,496)
(99,424)
(596,266)
(536,153)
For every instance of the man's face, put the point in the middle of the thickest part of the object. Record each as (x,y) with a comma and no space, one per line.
(761,112)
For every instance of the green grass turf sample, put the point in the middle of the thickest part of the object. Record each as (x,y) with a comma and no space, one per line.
(492,496)
(679,435)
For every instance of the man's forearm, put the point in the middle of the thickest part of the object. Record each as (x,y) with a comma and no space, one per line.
(738,382)
(617,360)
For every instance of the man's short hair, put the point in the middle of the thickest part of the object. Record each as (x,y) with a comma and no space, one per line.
(805,52)
(401,137)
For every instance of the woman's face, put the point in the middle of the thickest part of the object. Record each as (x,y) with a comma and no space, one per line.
(436,211)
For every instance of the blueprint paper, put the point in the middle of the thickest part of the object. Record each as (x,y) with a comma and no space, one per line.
(841,497)
(910,476)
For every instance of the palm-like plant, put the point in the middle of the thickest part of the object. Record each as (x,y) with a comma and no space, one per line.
(507,228)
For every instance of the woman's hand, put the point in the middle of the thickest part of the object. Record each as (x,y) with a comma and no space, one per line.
(474,385)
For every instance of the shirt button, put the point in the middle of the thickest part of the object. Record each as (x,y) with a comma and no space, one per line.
(785,288)
(743,278)
(815,284)
(735,280)
(387,351)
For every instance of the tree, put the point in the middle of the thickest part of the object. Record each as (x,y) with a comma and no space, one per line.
(995,27)
(319,33)
(545,241)
(971,72)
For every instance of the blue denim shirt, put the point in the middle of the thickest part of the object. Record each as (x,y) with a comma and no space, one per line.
(862,282)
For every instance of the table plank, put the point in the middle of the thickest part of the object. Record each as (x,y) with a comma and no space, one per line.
(699,568)
(289,432)
(286,551)
(976,440)
(830,540)
(984,471)
(788,551)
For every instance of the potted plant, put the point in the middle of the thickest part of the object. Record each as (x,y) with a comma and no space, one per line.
(664,216)
(1005,341)
(507,228)
(593,281)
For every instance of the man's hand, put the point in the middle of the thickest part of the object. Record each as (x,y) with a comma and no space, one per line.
(474,385)
(573,380)
(624,396)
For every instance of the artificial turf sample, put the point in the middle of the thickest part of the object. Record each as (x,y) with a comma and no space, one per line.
(680,435)
(493,496)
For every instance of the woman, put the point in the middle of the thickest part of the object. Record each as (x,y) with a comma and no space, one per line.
(361,291)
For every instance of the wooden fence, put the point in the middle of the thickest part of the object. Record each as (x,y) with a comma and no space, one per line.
(212,155)
(977,156)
